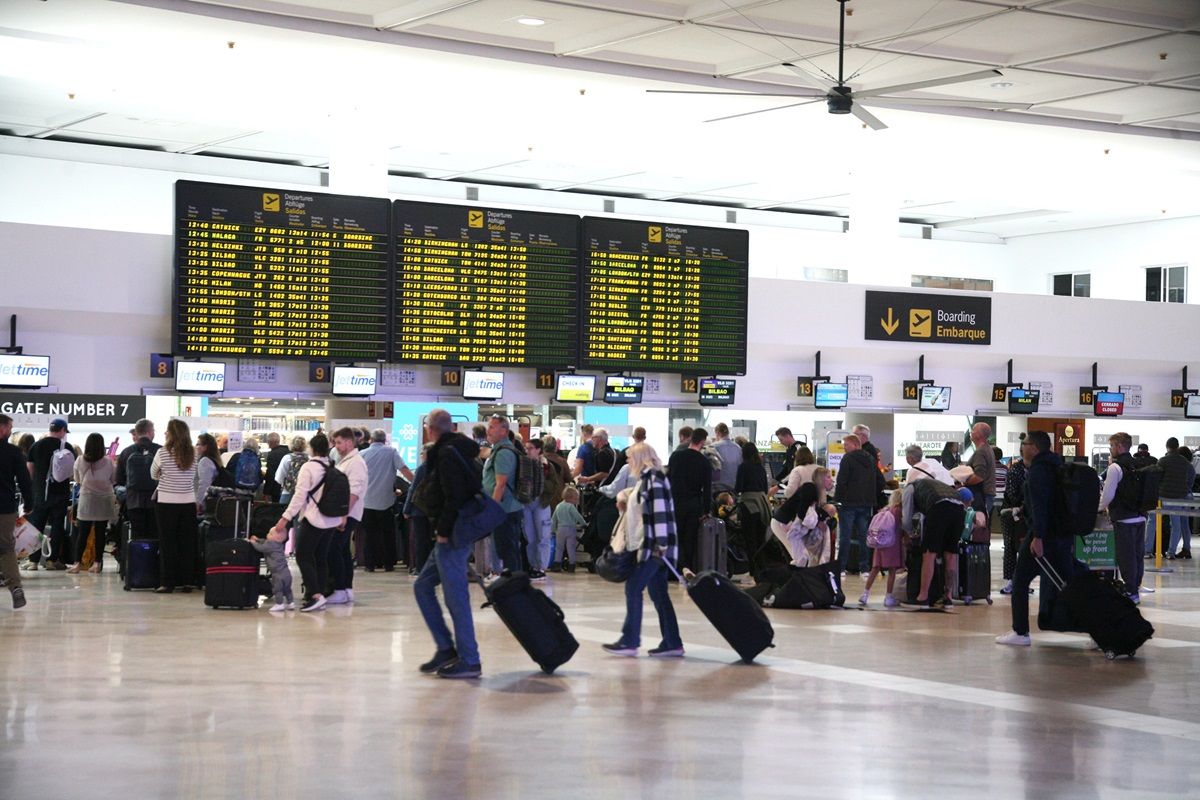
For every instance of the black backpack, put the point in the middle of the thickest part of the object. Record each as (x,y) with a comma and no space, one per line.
(137,470)
(1076,499)
(1139,486)
(335,499)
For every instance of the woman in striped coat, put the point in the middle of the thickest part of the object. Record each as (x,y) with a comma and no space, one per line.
(174,467)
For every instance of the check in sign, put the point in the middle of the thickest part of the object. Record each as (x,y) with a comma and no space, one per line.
(936,318)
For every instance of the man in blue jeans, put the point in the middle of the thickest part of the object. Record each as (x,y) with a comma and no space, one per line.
(500,481)
(859,482)
(453,479)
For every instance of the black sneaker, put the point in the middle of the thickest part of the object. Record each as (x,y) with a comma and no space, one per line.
(440,659)
(666,652)
(459,669)
(618,649)
(18,595)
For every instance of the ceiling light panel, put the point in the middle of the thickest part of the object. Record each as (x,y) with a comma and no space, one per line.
(818,19)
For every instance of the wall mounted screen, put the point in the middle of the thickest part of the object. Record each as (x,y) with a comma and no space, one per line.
(716,391)
(204,377)
(667,298)
(280,274)
(482,385)
(572,388)
(623,388)
(355,381)
(1191,407)
(1023,401)
(831,395)
(481,285)
(26,372)
(934,398)
(1108,404)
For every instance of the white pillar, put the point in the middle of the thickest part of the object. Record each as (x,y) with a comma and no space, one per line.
(358,157)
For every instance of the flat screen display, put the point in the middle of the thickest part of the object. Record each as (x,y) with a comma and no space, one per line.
(1023,401)
(26,372)
(663,298)
(200,376)
(478,285)
(268,273)
(1108,404)
(717,391)
(570,388)
(1191,406)
(623,388)
(481,385)
(355,381)
(934,398)
(831,395)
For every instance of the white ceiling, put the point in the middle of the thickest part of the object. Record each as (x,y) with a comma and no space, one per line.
(460,89)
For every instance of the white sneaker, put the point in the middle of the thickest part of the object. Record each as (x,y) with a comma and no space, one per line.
(349,595)
(1007,588)
(862,599)
(1135,598)
(337,598)
(1015,639)
(291,606)
(889,601)
(278,607)
(316,604)
(1146,590)
(488,580)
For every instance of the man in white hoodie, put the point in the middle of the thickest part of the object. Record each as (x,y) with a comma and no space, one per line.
(341,560)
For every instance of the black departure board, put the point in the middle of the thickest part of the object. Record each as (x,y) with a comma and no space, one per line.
(667,298)
(479,285)
(280,274)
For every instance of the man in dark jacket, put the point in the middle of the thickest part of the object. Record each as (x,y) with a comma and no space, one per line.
(858,485)
(453,478)
(1175,486)
(139,486)
(14,481)
(1044,541)
(275,454)
(50,497)
(690,473)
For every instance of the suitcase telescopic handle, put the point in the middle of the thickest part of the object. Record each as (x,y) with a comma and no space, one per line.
(1051,573)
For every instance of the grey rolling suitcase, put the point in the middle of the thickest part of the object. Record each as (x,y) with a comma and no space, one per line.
(712,547)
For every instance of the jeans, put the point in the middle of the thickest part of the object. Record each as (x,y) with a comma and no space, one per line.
(536,519)
(651,575)
(341,560)
(1060,553)
(853,522)
(507,540)
(1181,531)
(1129,537)
(312,556)
(177,548)
(54,514)
(448,566)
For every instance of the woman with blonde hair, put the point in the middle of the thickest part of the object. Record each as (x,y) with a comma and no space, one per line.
(174,467)
(802,522)
(649,530)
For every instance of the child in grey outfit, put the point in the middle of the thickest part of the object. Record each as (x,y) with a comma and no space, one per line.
(281,574)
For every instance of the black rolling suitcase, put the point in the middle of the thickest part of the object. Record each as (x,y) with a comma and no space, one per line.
(974,573)
(1109,617)
(734,613)
(712,546)
(533,618)
(937,585)
(231,577)
(141,564)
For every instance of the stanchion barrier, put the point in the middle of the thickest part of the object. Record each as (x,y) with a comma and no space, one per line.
(1169,508)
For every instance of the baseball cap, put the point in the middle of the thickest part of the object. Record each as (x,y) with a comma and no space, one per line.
(59,424)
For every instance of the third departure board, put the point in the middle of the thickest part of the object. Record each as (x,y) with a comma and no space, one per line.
(670,298)
(280,274)
(481,285)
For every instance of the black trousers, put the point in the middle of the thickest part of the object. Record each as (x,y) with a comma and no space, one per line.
(687,525)
(54,514)
(84,529)
(341,558)
(380,529)
(142,523)
(177,546)
(312,554)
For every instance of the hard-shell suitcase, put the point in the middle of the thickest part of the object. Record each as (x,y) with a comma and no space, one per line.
(141,564)
(711,547)
(231,574)
(1109,617)
(534,619)
(937,585)
(810,587)
(735,614)
(974,573)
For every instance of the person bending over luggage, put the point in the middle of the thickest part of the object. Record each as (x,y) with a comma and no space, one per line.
(650,518)
(314,530)
(281,576)
(940,531)
(568,522)
(174,469)
(454,478)
(1043,541)
(802,522)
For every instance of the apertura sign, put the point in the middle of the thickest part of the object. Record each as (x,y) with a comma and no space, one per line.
(935,318)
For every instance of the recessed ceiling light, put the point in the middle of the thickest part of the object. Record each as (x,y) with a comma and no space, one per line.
(532,22)
(1002,85)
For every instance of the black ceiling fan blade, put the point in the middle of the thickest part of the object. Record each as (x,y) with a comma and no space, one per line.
(870,120)
(764,110)
(908,87)
(734,94)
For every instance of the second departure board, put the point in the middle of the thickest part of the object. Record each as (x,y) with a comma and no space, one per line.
(280,274)
(668,298)
(481,285)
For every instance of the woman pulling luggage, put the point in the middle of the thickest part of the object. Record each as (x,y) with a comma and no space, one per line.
(650,531)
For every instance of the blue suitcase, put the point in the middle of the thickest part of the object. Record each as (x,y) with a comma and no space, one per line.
(141,564)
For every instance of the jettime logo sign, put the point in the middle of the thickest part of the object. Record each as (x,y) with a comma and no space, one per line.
(26,371)
(935,318)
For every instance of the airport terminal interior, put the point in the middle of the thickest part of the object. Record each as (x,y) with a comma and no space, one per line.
(913,216)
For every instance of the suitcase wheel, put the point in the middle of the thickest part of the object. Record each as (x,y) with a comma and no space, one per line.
(989,601)
(1110,655)
(967,599)
(126,588)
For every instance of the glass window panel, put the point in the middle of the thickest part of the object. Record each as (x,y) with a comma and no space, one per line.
(1083,285)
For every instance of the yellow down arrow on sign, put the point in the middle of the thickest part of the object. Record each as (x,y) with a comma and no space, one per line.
(890,324)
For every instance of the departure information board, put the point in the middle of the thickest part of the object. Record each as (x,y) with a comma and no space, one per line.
(280,274)
(481,285)
(668,298)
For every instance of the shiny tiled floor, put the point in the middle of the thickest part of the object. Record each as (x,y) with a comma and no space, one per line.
(133,695)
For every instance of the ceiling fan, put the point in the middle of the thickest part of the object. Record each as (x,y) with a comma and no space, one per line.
(841,99)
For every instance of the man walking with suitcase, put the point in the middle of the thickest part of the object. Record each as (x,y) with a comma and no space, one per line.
(1043,540)
(14,482)
(452,480)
